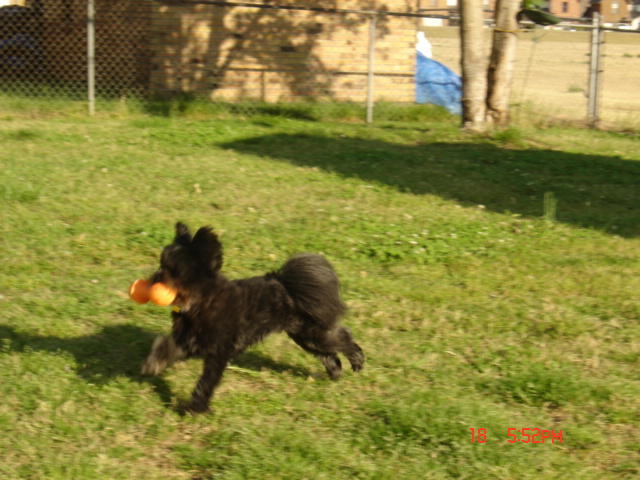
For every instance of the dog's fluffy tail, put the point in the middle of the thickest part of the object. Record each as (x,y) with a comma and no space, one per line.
(313,284)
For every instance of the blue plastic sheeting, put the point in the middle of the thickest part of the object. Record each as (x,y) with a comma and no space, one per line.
(438,84)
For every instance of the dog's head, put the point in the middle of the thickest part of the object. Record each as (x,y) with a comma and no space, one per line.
(190,262)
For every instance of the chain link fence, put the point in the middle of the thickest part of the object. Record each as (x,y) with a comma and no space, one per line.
(233,54)
(43,48)
(620,66)
(246,56)
(552,73)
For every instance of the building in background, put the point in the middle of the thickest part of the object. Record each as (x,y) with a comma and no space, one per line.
(635,15)
(439,13)
(573,9)
(612,11)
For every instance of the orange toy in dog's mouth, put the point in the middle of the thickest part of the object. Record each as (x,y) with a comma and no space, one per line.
(159,293)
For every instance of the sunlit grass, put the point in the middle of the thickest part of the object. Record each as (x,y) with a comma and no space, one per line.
(474,311)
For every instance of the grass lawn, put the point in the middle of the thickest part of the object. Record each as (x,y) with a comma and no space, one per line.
(479,305)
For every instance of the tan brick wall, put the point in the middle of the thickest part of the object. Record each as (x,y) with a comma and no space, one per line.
(272,55)
(233,53)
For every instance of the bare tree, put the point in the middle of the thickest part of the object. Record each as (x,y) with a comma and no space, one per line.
(486,91)
(474,66)
(503,52)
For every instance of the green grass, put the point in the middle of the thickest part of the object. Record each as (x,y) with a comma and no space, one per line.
(476,306)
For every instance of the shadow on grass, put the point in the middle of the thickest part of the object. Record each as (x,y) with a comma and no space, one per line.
(184,103)
(593,191)
(119,350)
(257,362)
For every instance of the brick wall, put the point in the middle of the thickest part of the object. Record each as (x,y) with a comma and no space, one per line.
(230,52)
(567,8)
(271,55)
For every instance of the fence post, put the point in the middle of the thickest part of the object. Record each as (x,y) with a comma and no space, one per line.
(91,56)
(372,48)
(594,71)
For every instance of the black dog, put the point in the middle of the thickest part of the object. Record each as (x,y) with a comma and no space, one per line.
(218,318)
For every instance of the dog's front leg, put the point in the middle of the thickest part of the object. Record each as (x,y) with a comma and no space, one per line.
(213,368)
(164,352)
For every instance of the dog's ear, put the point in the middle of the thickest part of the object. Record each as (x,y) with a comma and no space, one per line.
(183,237)
(207,246)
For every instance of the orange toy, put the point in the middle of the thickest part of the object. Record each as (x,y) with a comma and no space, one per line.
(159,293)
(139,291)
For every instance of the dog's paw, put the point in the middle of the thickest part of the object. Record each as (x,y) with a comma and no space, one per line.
(357,361)
(334,374)
(153,367)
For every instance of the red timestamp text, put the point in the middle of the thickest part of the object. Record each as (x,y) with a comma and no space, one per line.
(521,435)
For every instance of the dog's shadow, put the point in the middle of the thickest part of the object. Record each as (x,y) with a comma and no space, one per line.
(116,351)
(257,362)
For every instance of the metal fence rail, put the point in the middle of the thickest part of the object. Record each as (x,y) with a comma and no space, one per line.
(247,54)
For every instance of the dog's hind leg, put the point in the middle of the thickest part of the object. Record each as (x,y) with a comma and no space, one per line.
(163,353)
(325,344)
(347,346)
(330,360)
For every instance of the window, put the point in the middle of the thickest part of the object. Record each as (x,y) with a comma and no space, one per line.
(565,7)
(615,7)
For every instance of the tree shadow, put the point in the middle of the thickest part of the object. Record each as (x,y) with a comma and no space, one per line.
(592,191)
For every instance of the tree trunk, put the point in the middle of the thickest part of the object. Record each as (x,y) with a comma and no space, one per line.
(474,66)
(503,52)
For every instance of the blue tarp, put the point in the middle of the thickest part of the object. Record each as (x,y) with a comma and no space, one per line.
(437,84)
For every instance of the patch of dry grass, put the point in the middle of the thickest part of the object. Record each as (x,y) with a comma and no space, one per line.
(550,62)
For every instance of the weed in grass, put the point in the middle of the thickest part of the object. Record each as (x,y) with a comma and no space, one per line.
(25,193)
(22,134)
(512,136)
(550,207)
(552,386)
